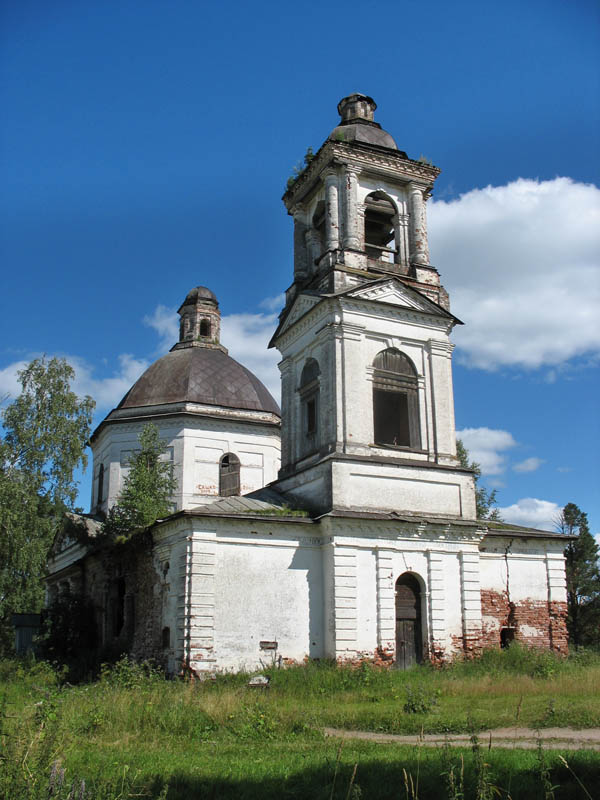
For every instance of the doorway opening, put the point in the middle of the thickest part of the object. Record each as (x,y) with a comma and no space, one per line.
(409,639)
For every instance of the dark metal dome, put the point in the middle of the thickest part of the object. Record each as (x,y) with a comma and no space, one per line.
(357,125)
(200,375)
(199,293)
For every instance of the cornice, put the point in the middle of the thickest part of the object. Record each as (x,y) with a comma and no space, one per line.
(358,157)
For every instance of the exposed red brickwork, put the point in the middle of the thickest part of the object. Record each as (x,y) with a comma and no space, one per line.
(536,623)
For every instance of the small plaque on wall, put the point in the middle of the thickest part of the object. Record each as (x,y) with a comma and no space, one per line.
(268,645)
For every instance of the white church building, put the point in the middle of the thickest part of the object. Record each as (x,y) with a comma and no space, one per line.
(342,526)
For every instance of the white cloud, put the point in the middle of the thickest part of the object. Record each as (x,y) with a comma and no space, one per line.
(529,465)
(107,392)
(521,263)
(166,323)
(532,513)
(246,336)
(273,303)
(486,446)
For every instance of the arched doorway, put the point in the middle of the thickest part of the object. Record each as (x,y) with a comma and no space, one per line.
(408,621)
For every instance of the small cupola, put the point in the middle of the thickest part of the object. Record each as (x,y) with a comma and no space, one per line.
(356,107)
(200,320)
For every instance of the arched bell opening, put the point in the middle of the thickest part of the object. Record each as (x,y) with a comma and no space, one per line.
(380,234)
(409,628)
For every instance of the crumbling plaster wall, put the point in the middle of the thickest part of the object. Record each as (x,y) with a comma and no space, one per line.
(523,589)
(194,446)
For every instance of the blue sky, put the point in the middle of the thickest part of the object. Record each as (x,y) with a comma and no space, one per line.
(146,145)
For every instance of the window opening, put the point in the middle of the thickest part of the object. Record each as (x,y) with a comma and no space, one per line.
(507,636)
(380,240)
(166,638)
(309,400)
(100,483)
(395,401)
(229,475)
(205,327)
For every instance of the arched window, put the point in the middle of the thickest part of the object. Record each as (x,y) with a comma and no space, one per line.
(100,485)
(309,402)
(229,475)
(205,327)
(395,400)
(379,227)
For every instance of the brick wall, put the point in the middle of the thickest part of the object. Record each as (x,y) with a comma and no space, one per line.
(536,623)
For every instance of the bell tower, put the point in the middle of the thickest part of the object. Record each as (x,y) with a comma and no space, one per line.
(367,401)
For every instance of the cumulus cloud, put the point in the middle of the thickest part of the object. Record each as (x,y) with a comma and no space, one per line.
(107,391)
(486,446)
(529,465)
(165,322)
(521,263)
(532,513)
(246,336)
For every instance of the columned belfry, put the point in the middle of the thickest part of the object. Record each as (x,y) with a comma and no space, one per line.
(368,316)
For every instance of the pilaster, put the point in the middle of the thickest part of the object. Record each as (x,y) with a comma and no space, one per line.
(471,600)
(331,194)
(196,603)
(345,588)
(437,605)
(386,610)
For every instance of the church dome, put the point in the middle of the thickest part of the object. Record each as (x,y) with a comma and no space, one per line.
(199,293)
(357,123)
(204,375)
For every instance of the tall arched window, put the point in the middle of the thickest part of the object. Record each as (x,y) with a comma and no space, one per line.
(309,403)
(395,400)
(229,475)
(379,227)
(99,497)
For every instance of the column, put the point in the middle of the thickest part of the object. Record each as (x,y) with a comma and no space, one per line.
(345,587)
(351,237)
(437,606)
(287,398)
(401,256)
(332,221)
(315,247)
(418,235)
(386,606)
(471,601)
(301,266)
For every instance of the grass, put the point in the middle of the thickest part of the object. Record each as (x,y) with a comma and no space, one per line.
(132,733)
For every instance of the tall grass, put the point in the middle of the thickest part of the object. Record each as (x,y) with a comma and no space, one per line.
(132,731)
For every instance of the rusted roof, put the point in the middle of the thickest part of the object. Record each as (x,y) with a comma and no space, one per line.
(200,375)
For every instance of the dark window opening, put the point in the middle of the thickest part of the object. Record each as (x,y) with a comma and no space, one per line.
(395,401)
(100,484)
(205,327)
(166,638)
(507,635)
(117,606)
(379,227)
(391,418)
(181,329)
(229,475)
(309,399)
(311,416)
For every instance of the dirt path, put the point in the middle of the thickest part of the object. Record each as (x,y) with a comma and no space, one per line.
(526,738)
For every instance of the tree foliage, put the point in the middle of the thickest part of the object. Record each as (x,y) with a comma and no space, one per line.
(484,499)
(44,434)
(583,578)
(146,492)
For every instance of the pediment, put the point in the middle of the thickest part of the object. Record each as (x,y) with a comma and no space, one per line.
(396,293)
(301,306)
